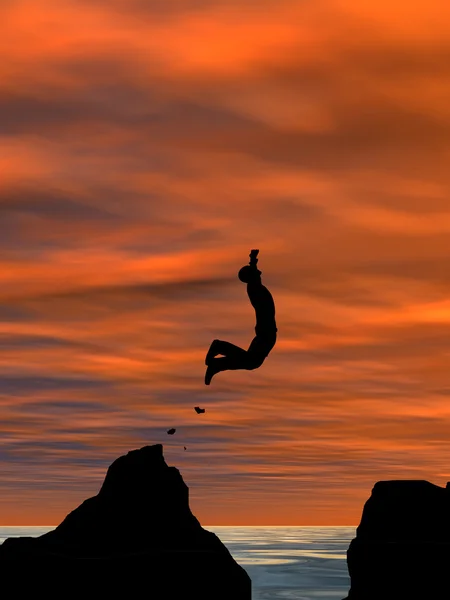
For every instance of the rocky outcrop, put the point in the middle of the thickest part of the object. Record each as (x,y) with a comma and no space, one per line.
(402,545)
(136,539)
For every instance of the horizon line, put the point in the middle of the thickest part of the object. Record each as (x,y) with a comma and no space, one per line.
(254,526)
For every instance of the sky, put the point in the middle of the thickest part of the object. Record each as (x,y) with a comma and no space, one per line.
(146,146)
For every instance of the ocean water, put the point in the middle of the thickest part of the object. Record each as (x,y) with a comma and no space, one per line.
(284,563)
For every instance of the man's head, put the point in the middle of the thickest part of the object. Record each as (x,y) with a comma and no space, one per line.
(249,274)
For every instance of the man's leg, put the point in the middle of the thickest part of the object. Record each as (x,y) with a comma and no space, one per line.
(225,348)
(261,346)
(224,364)
(235,358)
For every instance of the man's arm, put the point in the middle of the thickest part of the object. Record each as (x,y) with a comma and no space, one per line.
(253,260)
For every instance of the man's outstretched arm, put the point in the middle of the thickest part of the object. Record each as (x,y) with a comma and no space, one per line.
(250,273)
(253,264)
(253,260)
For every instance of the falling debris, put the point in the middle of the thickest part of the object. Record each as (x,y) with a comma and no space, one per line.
(199,410)
(185,447)
(171,431)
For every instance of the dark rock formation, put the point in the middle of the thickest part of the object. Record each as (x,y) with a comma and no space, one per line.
(136,539)
(402,545)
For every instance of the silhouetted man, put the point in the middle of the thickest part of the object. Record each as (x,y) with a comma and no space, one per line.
(266,329)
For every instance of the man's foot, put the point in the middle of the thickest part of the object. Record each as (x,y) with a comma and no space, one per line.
(210,372)
(211,352)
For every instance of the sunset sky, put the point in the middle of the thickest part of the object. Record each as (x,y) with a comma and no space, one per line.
(146,146)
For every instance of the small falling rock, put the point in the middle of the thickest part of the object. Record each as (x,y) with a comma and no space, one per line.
(171,431)
(185,447)
(199,410)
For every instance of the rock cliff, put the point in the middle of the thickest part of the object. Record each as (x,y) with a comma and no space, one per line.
(136,539)
(402,545)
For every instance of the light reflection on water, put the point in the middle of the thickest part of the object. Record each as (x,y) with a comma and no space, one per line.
(287,563)
(284,563)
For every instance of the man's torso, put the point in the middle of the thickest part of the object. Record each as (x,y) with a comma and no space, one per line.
(264,306)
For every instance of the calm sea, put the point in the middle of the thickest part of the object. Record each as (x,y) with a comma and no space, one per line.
(284,563)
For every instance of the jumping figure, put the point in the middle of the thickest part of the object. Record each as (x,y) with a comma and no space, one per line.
(234,357)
